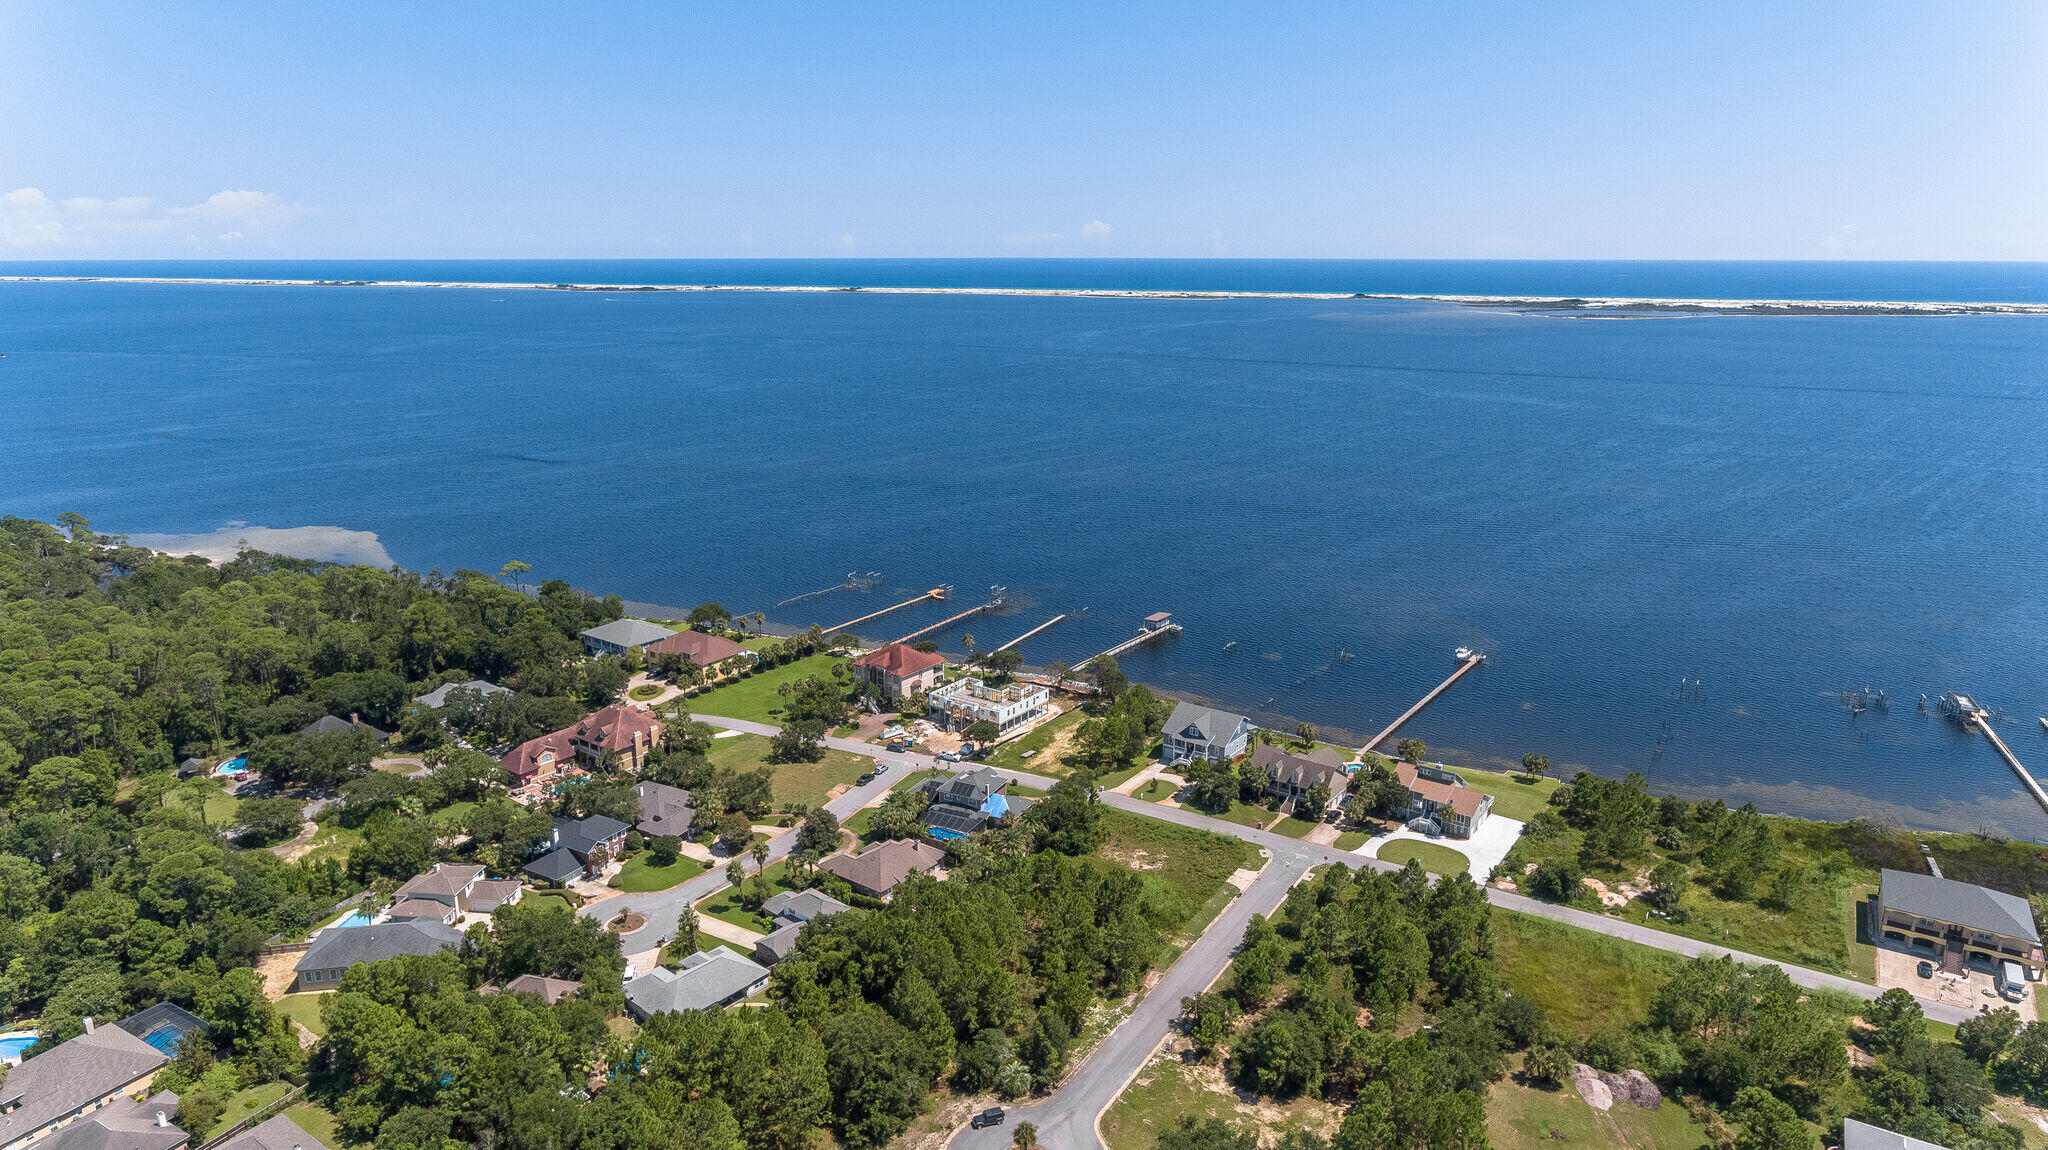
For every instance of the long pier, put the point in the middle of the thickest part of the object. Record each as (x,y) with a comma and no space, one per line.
(934,593)
(1470,661)
(1983,722)
(943,623)
(1145,636)
(1035,630)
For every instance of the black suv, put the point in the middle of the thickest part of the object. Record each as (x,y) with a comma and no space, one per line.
(993,1116)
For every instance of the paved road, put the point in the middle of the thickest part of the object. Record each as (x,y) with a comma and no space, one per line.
(1066,1119)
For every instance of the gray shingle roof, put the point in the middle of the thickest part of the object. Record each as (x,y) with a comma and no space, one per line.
(280,1133)
(438,697)
(1205,724)
(123,1124)
(664,810)
(1863,1136)
(555,866)
(775,946)
(343,947)
(58,1081)
(707,979)
(802,905)
(628,633)
(1964,904)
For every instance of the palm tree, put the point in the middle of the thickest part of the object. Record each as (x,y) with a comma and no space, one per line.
(760,853)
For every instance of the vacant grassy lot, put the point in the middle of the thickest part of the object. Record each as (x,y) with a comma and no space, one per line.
(1154,791)
(806,783)
(551,901)
(1436,859)
(1518,797)
(245,1103)
(1585,981)
(638,875)
(1520,1117)
(1295,828)
(332,841)
(218,809)
(1184,869)
(1351,840)
(304,1009)
(1010,756)
(755,698)
(315,1119)
(1167,1089)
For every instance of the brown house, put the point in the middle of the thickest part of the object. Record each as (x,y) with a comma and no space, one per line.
(899,670)
(877,870)
(704,650)
(1289,777)
(630,733)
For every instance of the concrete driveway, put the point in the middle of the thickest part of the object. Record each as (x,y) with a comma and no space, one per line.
(1495,839)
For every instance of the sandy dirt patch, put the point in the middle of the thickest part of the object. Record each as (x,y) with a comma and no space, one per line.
(277,974)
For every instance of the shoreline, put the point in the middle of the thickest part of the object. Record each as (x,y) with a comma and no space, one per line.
(1547,305)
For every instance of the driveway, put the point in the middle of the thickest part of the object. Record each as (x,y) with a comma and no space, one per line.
(1495,839)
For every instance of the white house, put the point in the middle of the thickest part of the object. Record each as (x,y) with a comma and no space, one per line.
(967,701)
(621,635)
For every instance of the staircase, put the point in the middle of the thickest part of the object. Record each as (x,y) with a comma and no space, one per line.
(1952,960)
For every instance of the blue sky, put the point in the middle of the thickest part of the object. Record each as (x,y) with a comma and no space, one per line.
(1626,130)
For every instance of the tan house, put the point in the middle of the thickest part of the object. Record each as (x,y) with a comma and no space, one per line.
(877,870)
(1457,808)
(899,670)
(1290,777)
(631,734)
(1958,923)
(89,1085)
(706,651)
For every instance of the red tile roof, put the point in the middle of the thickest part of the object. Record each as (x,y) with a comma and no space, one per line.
(611,729)
(900,660)
(525,759)
(701,648)
(1463,800)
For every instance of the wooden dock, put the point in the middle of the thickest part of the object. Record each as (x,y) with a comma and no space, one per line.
(1464,666)
(934,593)
(1983,723)
(1035,630)
(944,623)
(1142,637)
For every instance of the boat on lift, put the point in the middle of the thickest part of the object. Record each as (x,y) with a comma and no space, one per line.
(1464,654)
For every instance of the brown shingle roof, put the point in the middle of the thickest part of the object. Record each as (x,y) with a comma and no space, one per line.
(880,867)
(1322,765)
(700,648)
(900,659)
(445,881)
(1463,800)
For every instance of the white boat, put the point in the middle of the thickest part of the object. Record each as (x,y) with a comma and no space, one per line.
(1464,653)
(2044,724)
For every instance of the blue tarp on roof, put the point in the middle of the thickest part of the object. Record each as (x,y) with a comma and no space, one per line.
(997,806)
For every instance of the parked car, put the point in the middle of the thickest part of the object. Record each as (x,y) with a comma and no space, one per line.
(993,1116)
(881,769)
(1926,970)
(967,750)
(900,746)
(864,780)
(949,756)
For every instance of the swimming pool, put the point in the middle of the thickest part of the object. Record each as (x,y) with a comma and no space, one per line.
(11,1046)
(232,767)
(355,918)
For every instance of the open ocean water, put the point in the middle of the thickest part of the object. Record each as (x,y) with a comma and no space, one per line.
(1775,509)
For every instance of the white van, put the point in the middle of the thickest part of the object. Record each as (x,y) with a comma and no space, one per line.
(2012,980)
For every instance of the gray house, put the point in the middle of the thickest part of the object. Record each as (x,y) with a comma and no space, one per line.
(437,698)
(1863,1136)
(621,635)
(82,1093)
(664,810)
(791,911)
(708,979)
(1196,732)
(339,948)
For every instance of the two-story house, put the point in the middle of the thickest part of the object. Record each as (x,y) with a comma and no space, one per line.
(1290,777)
(899,670)
(1198,732)
(623,732)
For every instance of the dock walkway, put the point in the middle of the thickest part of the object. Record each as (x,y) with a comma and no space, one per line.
(1470,662)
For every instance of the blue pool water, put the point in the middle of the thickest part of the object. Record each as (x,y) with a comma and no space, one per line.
(165,1038)
(1678,540)
(232,767)
(11,1048)
(355,918)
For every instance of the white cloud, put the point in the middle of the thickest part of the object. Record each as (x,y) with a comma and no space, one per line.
(31,221)
(1094,230)
(846,242)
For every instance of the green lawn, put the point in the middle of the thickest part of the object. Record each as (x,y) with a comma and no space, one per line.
(1520,1117)
(549,900)
(725,905)
(755,698)
(244,1104)
(1166,1090)
(646,691)
(1155,791)
(1352,840)
(332,841)
(304,1009)
(806,783)
(315,1119)
(218,809)
(638,875)
(1512,797)
(1295,828)
(1010,755)
(1184,869)
(1585,981)
(1241,813)
(1435,859)
(452,815)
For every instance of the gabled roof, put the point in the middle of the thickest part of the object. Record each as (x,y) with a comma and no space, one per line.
(525,758)
(585,834)
(1322,765)
(1964,904)
(664,810)
(163,1026)
(801,905)
(551,990)
(445,881)
(377,942)
(883,865)
(1203,724)
(490,894)
(555,866)
(698,647)
(280,1133)
(776,945)
(422,908)
(969,789)
(76,1073)
(123,1124)
(1463,800)
(628,632)
(707,979)
(1863,1136)
(900,659)
(438,697)
(329,725)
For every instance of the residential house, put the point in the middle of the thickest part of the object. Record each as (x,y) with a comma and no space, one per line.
(622,731)
(590,843)
(1958,922)
(338,948)
(968,802)
(489,894)
(1458,809)
(1290,777)
(664,810)
(437,698)
(279,1133)
(191,766)
(964,702)
(551,990)
(622,635)
(1863,1136)
(423,910)
(1198,732)
(329,725)
(877,870)
(707,980)
(706,651)
(448,883)
(899,670)
(791,910)
(89,1085)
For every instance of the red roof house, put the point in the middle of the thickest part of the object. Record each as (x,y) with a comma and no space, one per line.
(629,732)
(899,670)
(698,647)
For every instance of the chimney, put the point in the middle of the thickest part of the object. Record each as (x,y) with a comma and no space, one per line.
(87,1020)
(161,1120)
(353,721)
